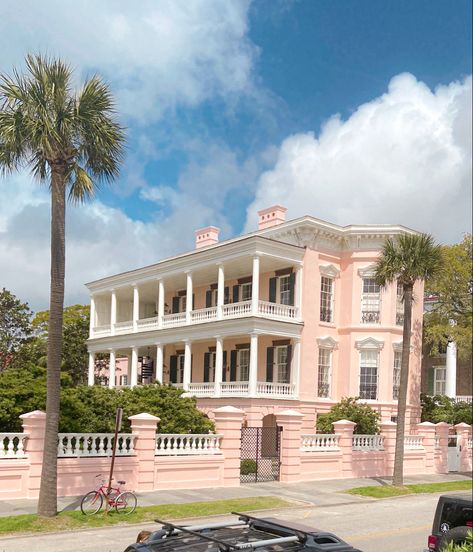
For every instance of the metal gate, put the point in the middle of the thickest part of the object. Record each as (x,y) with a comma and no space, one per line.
(453,453)
(260,454)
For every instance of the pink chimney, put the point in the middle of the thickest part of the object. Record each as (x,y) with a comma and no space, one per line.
(206,236)
(271,216)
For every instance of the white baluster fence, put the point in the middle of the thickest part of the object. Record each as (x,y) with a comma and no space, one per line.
(413,442)
(235,310)
(204,315)
(319,442)
(464,398)
(102,330)
(277,310)
(144,324)
(277,390)
(72,445)
(175,444)
(204,389)
(368,442)
(12,445)
(174,320)
(228,388)
(123,327)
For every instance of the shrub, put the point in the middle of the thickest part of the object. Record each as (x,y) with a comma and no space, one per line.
(349,408)
(247,467)
(440,408)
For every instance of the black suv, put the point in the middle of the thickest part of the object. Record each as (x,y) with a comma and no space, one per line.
(244,533)
(452,522)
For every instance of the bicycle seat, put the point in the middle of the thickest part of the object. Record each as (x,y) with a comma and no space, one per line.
(121,482)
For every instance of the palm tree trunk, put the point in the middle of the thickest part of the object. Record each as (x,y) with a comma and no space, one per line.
(47,505)
(398,474)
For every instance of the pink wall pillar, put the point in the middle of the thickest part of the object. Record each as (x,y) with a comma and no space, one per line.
(345,429)
(144,427)
(291,423)
(228,420)
(463,433)
(428,430)
(441,431)
(388,431)
(34,424)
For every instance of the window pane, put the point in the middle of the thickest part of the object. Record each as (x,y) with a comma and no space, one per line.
(285,290)
(281,365)
(369,375)
(370,302)
(370,285)
(326,299)
(246,292)
(244,364)
(323,379)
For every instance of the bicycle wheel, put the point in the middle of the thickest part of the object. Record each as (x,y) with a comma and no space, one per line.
(125,503)
(91,503)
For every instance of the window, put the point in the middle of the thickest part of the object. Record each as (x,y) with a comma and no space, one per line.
(369,374)
(123,380)
(396,374)
(243,364)
(323,379)
(370,302)
(326,299)
(246,292)
(180,368)
(399,305)
(440,373)
(285,290)
(282,368)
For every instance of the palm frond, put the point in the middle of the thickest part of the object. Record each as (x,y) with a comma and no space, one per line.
(81,187)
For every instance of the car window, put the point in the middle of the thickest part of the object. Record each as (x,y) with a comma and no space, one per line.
(455,515)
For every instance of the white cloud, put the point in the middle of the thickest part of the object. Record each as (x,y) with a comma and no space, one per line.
(159,54)
(404,157)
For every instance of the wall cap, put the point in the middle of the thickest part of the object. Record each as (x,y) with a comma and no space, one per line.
(33,414)
(442,424)
(462,425)
(425,424)
(228,409)
(144,416)
(289,413)
(388,423)
(344,422)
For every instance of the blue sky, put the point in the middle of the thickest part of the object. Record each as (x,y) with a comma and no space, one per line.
(349,111)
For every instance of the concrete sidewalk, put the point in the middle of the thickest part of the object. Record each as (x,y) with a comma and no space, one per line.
(314,493)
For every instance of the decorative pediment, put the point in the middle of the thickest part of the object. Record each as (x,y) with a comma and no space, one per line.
(367,271)
(329,270)
(327,342)
(369,343)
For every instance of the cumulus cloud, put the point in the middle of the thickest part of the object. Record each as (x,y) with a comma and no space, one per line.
(159,54)
(404,157)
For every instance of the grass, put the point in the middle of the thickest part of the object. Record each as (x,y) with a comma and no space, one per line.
(71,520)
(386,491)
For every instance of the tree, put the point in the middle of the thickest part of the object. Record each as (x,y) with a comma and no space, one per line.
(411,258)
(451,317)
(15,326)
(365,418)
(70,140)
(441,408)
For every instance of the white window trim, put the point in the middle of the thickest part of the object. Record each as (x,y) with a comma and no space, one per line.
(278,287)
(330,371)
(246,285)
(397,350)
(367,271)
(329,271)
(332,298)
(378,364)
(238,365)
(327,342)
(276,364)
(369,343)
(439,367)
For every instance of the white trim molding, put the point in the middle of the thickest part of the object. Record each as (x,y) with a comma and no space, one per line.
(367,271)
(329,270)
(369,343)
(327,342)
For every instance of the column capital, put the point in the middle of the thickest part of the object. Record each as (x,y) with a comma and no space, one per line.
(257,255)
(111,350)
(188,272)
(187,341)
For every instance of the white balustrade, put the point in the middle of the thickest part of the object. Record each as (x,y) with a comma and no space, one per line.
(368,442)
(100,331)
(12,445)
(144,324)
(174,320)
(175,444)
(204,389)
(228,388)
(318,442)
(412,442)
(123,327)
(236,310)
(277,310)
(204,315)
(71,445)
(464,398)
(270,389)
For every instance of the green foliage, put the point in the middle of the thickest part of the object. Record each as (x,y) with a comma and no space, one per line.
(452,317)
(349,408)
(440,408)
(247,467)
(466,546)
(15,326)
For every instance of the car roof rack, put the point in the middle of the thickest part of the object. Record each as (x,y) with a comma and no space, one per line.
(171,528)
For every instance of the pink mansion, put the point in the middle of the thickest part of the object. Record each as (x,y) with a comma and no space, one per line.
(288,316)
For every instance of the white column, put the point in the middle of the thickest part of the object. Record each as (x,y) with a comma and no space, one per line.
(160,303)
(159,363)
(112,369)
(298,292)
(134,367)
(113,312)
(451,370)
(253,376)
(187,365)
(220,291)
(91,375)
(255,286)
(189,304)
(218,365)
(296,364)
(92,316)
(136,307)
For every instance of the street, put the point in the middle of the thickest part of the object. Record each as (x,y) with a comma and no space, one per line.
(388,525)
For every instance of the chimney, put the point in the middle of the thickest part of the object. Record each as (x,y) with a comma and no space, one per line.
(206,236)
(271,216)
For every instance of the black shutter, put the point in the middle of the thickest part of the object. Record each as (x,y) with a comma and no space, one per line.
(233,365)
(208,298)
(272,290)
(175,304)
(226,295)
(173,369)
(288,363)
(236,293)
(292,285)
(206,367)
(269,363)
(224,367)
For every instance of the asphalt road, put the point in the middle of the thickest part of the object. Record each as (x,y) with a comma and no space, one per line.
(390,525)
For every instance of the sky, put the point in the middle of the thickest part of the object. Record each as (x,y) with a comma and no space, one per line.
(352,112)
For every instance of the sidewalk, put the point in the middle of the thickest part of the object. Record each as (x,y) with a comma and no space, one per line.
(314,493)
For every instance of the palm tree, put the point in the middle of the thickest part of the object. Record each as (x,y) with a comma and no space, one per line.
(410,258)
(69,139)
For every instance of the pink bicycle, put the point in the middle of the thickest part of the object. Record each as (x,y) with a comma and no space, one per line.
(124,502)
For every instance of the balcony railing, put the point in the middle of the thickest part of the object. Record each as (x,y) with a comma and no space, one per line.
(236,310)
(241,389)
(319,442)
(205,389)
(125,327)
(464,398)
(174,320)
(277,310)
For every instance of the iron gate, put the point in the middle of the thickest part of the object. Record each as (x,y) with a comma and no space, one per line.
(260,454)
